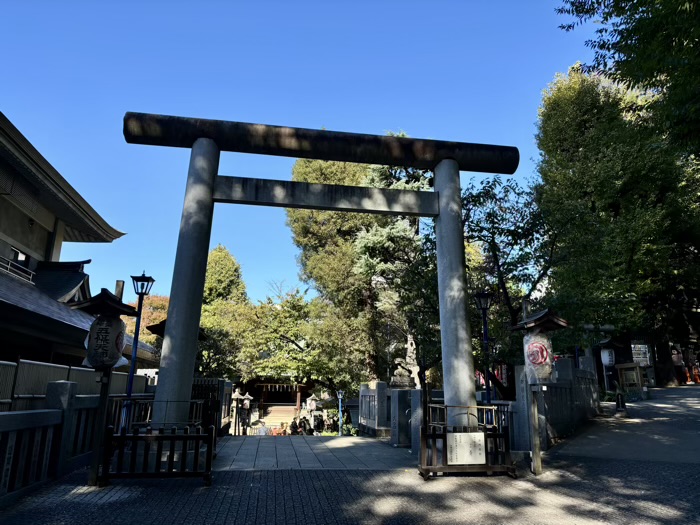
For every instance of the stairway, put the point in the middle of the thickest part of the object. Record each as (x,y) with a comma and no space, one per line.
(275,415)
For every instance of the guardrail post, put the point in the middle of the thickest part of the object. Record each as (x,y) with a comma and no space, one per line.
(211,438)
(105,379)
(536,466)
(221,397)
(60,395)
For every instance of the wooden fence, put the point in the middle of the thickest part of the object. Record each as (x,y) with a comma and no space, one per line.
(159,455)
(57,436)
(38,445)
(23,384)
(26,442)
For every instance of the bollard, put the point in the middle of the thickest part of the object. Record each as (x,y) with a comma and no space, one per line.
(620,407)
(620,402)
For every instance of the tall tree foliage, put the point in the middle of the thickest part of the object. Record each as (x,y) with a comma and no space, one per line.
(509,253)
(622,204)
(402,266)
(223,278)
(325,239)
(299,341)
(399,257)
(654,45)
(225,315)
(394,283)
(517,245)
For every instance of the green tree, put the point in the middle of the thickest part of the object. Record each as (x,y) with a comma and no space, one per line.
(267,352)
(225,316)
(401,264)
(299,341)
(623,207)
(225,325)
(223,278)
(653,45)
(325,239)
(517,245)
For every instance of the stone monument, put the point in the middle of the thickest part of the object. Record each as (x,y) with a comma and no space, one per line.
(406,373)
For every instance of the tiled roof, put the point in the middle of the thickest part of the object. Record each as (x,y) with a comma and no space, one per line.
(22,294)
(105,303)
(59,285)
(545,320)
(27,296)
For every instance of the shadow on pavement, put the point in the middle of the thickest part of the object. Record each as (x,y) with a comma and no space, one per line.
(579,491)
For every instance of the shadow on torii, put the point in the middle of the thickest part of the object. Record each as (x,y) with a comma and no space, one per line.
(207,138)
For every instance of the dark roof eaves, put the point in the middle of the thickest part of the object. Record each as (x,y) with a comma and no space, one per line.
(35,161)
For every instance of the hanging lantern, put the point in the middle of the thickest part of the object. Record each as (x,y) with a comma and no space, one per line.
(607,356)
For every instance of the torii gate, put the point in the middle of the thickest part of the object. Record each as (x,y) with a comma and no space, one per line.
(207,138)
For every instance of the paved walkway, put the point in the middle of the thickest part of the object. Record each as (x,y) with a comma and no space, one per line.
(309,452)
(657,481)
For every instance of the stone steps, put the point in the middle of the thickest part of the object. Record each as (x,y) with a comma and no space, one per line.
(275,415)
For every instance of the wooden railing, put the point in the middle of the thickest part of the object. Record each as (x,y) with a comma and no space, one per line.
(39,445)
(480,444)
(159,455)
(27,440)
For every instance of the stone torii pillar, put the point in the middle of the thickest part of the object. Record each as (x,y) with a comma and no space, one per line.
(455,332)
(185,307)
(204,187)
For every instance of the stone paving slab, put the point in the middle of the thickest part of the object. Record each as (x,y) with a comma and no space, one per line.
(579,486)
(310,452)
(664,428)
(585,491)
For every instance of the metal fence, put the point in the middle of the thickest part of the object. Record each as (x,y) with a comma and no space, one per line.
(220,393)
(11,267)
(368,410)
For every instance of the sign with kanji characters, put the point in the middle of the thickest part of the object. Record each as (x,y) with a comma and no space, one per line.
(538,357)
(105,342)
(640,354)
(466,448)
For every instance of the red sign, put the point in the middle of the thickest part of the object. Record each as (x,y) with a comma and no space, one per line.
(537,353)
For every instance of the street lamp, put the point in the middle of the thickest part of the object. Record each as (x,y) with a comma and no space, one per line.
(142,287)
(340,412)
(483,302)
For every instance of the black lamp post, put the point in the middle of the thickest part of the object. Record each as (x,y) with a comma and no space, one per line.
(142,287)
(483,302)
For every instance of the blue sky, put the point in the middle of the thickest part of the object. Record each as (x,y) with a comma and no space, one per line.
(462,70)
